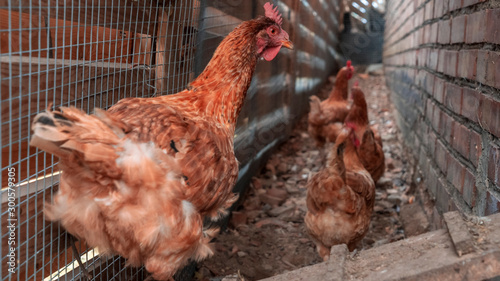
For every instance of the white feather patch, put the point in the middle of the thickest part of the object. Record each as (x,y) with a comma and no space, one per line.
(188,210)
(135,152)
(105,200)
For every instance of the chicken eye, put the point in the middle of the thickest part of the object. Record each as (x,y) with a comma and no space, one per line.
(272,30)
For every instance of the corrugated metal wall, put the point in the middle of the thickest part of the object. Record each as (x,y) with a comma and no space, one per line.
(90,53)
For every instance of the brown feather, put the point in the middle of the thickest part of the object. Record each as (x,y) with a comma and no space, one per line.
(370,149)
(327,117)
(340,199)
(138,179)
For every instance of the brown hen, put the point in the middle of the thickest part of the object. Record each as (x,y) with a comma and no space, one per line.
(138,179)
(366,138)
(340,199)
(326,118)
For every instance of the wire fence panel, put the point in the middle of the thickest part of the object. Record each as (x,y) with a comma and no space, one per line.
(91,53)
(85,54)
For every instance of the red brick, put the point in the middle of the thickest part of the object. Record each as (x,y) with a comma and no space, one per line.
(415,38)
(429,82)
(471,101)
(422,57)
(475,147)
(438,91)
(441,155)
(444,202)
(467,3)
(494,66)
(424,132)
(489,116)
(458,29)
(420,77)
(446,126)
(450,60)
(425,80)
(494,164)
(467,60)
(432,142)
(438,9)
(429,109)
(434,33)
(429,10)
(423,161)
(492,34)
(421,36)
(419,18)
(444,32)
(414,59)
(455,4)
(461,139)
(453,97)
(456,173)
(427,34)
(446,6)
(469,189)
(486,67)
(492,204)
(476,30)
(432,181)
(432,59)
(441,61)
(436,118)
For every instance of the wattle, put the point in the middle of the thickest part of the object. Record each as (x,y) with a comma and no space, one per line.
(270,53)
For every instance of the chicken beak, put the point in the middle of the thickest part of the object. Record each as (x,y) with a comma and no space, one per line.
(287,44)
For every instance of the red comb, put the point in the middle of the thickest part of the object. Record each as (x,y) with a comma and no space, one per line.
(356,83)
(349,63)
(272,13)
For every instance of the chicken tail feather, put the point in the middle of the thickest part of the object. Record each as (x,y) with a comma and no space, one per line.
(47,134)
(63,132)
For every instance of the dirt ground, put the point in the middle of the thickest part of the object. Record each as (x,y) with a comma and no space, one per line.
(267,234)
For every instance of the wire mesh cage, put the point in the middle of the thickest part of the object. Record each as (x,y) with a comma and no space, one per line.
(85,54)
(90,54)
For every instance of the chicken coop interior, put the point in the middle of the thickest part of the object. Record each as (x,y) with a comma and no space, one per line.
(428,69)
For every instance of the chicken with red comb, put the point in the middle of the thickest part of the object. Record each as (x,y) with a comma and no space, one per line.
(368,142)
(326,118)
(340,198)
(138,180)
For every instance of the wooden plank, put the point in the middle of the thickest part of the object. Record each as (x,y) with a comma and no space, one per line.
(76,83)
(169,47)
(70,40)
(91,43)
(83,85)
(142,49)
(33,234)
(128,16)
(21,38)
(25,160)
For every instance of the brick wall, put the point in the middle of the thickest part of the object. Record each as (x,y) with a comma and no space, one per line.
(442,63)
